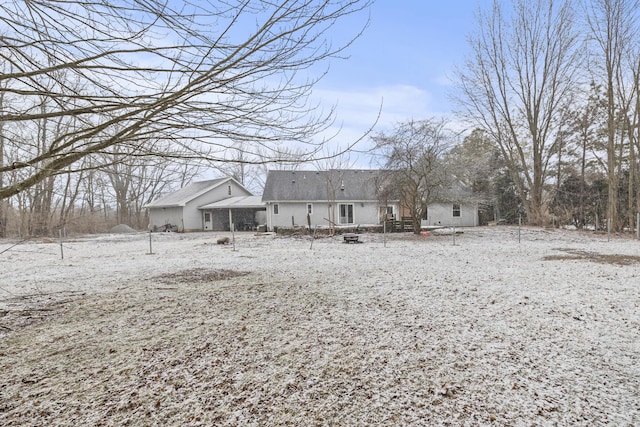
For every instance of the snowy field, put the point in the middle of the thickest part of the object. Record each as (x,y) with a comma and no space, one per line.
(417,331)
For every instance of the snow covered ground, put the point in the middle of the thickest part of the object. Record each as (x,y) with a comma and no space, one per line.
(483,330)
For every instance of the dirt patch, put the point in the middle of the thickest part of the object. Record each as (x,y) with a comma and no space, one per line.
(199,275)
(26,310)
(574,254)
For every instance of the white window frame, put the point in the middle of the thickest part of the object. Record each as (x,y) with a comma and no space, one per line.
(344,220)
(457,210)
(309,208)
(276,209)
(387,212)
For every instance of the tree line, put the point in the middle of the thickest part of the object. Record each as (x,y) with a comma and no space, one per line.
(551,96)
(103,104)
(555,85)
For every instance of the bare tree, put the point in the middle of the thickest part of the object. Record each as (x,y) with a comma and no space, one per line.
(413,155)
(523,69)
(4,206)
(334,162)
(70,193)
(135,181)
(119,169)
(585,149)
(634,136)
(240,169)
(612,25)
(199,74)
(475,164)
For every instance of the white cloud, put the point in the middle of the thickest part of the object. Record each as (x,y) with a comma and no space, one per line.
(360,108)
(356,111)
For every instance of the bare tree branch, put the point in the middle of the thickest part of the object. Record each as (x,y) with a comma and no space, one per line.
(201,76)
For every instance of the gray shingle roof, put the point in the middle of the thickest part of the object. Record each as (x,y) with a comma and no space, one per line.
(352,185)
(185,194)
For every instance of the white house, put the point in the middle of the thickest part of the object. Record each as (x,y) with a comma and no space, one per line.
(322,198)
(342,198)
(451,215)
(183,208)
(346,198)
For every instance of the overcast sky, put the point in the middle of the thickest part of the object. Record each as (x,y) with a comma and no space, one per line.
(403,60)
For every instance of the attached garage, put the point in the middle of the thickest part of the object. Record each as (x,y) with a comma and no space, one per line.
(182,209)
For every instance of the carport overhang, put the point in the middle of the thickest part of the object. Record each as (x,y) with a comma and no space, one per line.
(239,202)
(236,204)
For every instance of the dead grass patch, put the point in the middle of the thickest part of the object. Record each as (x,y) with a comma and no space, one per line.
(574,254)
(199,275)
(27,310)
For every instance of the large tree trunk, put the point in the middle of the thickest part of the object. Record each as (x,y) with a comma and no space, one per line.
(631,192)
(3,203)
(612,163)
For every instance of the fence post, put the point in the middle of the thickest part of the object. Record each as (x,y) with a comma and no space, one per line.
(61,248)
(233,235)
(384,231)
(313,236)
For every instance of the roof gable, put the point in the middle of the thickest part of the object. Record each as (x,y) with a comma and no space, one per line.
(335,184)
(188,193)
